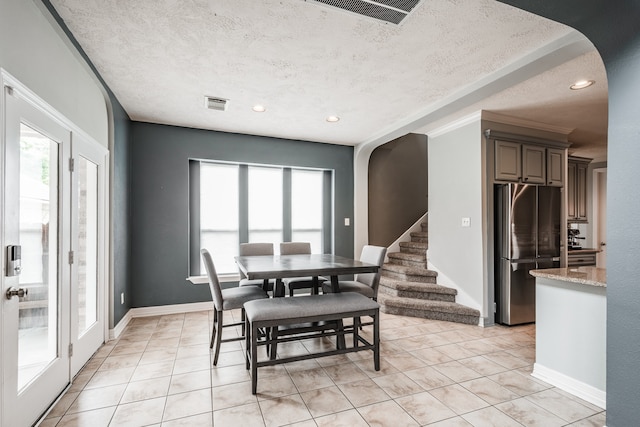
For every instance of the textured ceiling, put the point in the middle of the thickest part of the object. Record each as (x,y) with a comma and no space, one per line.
(305,61)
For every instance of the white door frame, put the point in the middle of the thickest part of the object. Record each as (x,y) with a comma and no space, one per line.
(7,79)
(596,198)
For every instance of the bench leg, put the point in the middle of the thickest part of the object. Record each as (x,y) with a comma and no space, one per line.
(254,359)
(247,344)
(273,348)
(376,341)
(340,342)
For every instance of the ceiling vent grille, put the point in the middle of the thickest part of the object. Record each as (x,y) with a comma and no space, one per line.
(214,103)
(388,11)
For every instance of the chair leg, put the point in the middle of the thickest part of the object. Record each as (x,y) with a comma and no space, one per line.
(218,338)
(243,317)
(213,332)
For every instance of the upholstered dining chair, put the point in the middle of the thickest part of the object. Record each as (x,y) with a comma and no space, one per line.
(255,249)
(224,300)
(367,283)
(293,283)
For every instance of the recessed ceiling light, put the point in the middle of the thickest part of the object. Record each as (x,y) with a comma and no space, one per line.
(259,108)
(333,119)
(581,84)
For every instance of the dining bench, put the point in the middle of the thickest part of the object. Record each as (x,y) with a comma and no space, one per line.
(305,317)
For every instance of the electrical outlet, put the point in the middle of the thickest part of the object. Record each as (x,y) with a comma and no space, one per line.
(466,222)
(122,298)
(347,222)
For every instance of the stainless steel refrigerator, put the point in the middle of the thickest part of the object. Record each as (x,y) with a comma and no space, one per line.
(527,238)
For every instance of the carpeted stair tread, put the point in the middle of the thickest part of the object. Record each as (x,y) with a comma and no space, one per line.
(417,245)
(402,285)
(408,257)
(412,271)
(428,309)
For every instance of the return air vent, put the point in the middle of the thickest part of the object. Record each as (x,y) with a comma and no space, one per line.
(214,103)
(388,11)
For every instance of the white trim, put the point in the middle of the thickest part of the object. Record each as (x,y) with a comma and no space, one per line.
(515,121)
(115,333)
(577,388)
(463,121)
(406,236)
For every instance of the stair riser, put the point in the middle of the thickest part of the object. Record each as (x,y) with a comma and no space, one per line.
(428,314)
(408,262)
(410,250)
(431,296)
(408,277)
(420,239)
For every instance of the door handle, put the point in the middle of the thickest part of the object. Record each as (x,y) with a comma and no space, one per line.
(16,292)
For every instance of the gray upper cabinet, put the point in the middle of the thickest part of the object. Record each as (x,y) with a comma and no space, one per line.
(529,163)
(577,189)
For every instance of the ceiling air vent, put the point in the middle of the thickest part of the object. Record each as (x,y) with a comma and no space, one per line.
(214,103)
(388,11)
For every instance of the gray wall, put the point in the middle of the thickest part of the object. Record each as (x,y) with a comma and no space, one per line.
(613,29)
(159,199)
(397,187)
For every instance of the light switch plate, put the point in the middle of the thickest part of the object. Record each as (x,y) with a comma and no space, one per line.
(466,222)
(347,222)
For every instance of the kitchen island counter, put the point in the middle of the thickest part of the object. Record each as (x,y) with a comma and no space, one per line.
(592,276)
(571,335)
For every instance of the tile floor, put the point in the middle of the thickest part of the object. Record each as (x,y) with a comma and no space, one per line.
(159,373)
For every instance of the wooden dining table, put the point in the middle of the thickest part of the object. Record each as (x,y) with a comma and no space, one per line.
(267,267)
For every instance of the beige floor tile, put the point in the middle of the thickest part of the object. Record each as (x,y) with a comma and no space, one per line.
(425,408)
(119,362)
(325,401)
(246,415)
(456,371)
(428,378)
(362,393)
(128,348)
(272,387)
(404,361)
(507,360)
(350,418)
(302,365)
(284,410)
(152,370)
(95,418)
(490,417)
(367,366)
(80,381)
(185,352)
(141,413)
(489,391)
(187,404)
(49,422)
(458,399)
(231,395)
(202,339)
(345,373)
(63,404)
(397,385)
(452,422)
(161,333)
(182,366)
(519,383)
(387,413)
(157,356)
(200,420)
(431,356)
(162,343)
(482,365)
(597,420)
(561,406)
(197,380)
(230,375)
(456,351)
(112,377)
(145,389)
(311,379)
(97,398)
(529,414)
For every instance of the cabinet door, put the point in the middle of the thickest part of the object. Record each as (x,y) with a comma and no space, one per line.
(555,167)
(571,191)
(533,164)
(581,191)
(507,158)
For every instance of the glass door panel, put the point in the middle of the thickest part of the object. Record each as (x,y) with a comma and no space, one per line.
(87,251)
(38,313)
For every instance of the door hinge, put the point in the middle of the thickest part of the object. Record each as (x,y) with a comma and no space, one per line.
(72,164)
(70,257)
(495,307)
(70,350)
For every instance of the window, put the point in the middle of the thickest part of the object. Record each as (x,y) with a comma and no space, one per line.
(232,203)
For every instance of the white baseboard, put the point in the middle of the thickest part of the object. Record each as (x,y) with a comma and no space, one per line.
(159,310)
(577,388)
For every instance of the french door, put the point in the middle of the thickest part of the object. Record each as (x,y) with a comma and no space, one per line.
(52,233)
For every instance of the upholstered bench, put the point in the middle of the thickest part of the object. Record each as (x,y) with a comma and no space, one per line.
(315,312)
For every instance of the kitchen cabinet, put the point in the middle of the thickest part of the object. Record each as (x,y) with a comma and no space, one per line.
(577,189)
(581,258)
(529,164)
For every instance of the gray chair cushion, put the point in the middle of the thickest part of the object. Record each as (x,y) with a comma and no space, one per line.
(235,297)
(351,286)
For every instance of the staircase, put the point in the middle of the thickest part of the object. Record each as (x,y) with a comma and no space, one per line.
(408,288)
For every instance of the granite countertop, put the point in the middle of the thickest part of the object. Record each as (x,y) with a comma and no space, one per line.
(584,275)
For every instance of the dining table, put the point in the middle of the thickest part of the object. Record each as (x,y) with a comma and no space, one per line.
(278,267)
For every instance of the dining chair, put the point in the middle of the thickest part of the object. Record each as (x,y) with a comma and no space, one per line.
(293,283)
(366,283)
(224,300)
(255,249)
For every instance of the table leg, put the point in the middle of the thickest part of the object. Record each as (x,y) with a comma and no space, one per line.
(315,285)
(278,291)
(335,288)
